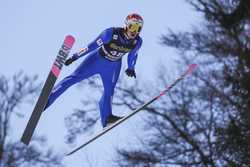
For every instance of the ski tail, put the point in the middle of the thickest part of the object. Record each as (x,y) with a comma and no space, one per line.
(48,85)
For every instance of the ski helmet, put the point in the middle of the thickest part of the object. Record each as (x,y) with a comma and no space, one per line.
(134,23)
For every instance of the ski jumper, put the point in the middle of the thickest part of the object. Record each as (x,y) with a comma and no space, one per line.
(104,58)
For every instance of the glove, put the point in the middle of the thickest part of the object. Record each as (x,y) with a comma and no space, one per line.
(71,59)
(130,73)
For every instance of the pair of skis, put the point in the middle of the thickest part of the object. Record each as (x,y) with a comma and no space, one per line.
(48,86)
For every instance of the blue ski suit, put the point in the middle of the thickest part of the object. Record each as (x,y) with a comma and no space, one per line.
(104,58)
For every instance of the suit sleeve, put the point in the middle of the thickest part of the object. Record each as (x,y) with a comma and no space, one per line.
(132,56)
(103,38)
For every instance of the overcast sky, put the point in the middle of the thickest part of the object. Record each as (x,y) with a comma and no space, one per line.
(32,31)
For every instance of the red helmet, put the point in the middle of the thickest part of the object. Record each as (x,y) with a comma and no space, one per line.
(134,23)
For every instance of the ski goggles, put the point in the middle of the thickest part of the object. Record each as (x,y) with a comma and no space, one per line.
(134,27)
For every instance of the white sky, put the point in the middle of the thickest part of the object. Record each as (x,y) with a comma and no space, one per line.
(32,32)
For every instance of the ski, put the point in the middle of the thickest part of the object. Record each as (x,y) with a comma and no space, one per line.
(48,85)
(188,71)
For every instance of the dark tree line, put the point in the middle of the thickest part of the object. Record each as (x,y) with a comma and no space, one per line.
(205,120)
(14,93)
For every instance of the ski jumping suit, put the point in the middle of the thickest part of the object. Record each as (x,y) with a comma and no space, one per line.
(104,58)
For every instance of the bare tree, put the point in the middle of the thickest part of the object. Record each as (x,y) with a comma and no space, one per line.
(15,92)
(226,52)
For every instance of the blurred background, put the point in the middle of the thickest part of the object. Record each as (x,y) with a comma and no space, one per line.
(203,121)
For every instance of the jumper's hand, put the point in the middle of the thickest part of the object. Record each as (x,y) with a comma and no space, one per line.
(71,59)
(130,73)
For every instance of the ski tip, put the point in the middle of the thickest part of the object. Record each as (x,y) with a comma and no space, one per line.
(191,68)
(69,41)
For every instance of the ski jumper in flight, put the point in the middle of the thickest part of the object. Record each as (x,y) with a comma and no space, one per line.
(104,56)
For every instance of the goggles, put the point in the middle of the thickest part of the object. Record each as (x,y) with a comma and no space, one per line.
(134,27)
